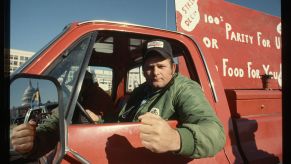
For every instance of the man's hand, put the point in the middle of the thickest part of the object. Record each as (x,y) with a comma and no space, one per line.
(95,117)
(23,136)
(157,135)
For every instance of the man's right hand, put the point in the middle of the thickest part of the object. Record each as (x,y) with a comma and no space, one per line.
(23,136)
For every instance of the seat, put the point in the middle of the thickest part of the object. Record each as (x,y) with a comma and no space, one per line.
(121,102)
(95,99)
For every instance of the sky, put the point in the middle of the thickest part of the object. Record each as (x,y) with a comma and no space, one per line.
(33,23)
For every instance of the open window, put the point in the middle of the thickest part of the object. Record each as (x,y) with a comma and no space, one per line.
(135,77)
(114,60)
(102,76)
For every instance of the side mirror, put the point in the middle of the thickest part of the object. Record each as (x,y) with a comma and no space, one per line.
(35,97)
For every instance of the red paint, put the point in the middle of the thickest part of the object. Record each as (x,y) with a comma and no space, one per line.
(241,41)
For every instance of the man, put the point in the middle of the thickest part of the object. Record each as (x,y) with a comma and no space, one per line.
(168,95)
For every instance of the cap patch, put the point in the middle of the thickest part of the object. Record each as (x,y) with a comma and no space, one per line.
(153,44)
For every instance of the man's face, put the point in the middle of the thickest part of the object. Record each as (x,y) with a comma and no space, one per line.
(158,71)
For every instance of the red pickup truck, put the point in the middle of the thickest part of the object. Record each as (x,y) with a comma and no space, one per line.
(234,53)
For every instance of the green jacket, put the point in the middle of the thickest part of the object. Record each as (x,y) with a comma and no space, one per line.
(201,132)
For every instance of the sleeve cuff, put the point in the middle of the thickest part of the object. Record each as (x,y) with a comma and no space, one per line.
(187,142)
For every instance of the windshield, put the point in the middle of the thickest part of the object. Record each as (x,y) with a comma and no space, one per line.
(68,67)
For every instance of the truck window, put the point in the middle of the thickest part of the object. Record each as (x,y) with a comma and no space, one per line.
(134,78)
(95,96)
(115,64)
(104,45)
(102,76)
(67,67)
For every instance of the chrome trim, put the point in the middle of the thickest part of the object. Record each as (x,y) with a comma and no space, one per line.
(127,24)
(206,67)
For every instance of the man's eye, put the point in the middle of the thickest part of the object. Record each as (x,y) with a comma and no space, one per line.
(150,67)
(147,68)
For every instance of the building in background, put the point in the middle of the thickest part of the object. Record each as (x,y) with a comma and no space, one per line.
(135,78)
(18,57)
(103,76)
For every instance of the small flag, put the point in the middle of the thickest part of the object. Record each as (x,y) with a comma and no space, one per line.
(36,97)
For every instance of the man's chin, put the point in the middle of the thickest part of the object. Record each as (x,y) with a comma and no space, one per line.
(157,86)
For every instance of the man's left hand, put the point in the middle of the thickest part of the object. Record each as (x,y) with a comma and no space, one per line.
(96,118)
(157,135)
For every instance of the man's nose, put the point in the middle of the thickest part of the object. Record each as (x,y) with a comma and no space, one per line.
(155,71)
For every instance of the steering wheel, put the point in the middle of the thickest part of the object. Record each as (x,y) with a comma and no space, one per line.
(86,115)
(79,106)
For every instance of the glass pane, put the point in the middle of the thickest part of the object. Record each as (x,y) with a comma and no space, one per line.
(30,94)
(66,71)
(102,76)
(95,97)
(31,99)
(104,45)
(134,78)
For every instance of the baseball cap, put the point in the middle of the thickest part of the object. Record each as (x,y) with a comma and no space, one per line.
(160,46)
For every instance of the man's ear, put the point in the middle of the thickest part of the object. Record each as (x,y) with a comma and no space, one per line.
(173,68)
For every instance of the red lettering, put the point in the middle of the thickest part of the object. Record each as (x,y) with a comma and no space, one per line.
(187,6)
